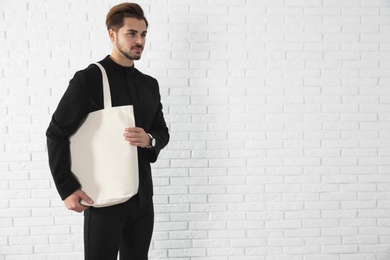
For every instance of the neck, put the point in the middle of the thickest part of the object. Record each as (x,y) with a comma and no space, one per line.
(121,60)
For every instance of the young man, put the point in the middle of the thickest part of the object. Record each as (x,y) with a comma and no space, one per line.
(126,227)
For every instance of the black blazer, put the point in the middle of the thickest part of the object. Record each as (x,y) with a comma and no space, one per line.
(128,86)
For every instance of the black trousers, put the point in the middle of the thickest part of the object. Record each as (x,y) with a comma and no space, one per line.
(118,228)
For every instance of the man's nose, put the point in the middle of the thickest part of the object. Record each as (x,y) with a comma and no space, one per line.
(139,40)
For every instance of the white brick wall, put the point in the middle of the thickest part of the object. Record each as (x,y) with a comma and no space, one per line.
(279,113)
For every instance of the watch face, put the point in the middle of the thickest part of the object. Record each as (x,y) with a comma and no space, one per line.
(153,142)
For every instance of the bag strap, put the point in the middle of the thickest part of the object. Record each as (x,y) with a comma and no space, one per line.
(106,87)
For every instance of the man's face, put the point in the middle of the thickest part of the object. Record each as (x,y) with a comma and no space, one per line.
(130,39)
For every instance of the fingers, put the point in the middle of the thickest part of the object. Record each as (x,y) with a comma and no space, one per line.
(76,206)
(72,202)
(133,134)
(136,130)
(136,136)
(86,198)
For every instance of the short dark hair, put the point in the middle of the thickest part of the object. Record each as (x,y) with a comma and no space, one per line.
(115,16)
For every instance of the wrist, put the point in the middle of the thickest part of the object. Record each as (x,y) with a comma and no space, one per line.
(152,141)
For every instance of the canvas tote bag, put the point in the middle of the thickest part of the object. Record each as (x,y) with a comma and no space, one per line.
(103,162)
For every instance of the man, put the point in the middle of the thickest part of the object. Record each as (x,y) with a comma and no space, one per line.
(126,227)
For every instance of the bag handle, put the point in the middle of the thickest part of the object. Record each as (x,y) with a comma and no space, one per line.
(106,87)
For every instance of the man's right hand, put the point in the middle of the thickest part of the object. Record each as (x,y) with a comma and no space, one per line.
(72,202)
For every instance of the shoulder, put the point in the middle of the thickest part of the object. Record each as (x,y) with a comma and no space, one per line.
(91,72)
(88,75)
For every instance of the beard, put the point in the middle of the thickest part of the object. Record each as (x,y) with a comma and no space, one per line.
(128,53)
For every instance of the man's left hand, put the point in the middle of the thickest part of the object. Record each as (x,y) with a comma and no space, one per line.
(137,136)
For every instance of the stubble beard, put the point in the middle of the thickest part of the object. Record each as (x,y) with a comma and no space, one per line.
(128,54)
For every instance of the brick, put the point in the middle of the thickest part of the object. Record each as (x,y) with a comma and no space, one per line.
(309,234)
(172,244)
(192,252)
(288,224)
(16,250)
(225,251)
(322,256)
(343,249)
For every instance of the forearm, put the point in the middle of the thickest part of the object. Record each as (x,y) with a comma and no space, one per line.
(59,162)
(160,132)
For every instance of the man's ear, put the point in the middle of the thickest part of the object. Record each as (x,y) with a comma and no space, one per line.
(112,35)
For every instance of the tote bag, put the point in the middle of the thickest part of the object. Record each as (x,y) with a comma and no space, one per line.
(103,162)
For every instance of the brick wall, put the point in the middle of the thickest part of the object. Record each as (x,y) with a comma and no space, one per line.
(279,112)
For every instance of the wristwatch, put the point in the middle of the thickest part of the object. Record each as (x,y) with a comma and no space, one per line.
(152,142)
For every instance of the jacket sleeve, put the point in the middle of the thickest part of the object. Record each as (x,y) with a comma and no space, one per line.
(70,112)
(159,131)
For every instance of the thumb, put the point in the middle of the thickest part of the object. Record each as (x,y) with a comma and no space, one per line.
(86,198)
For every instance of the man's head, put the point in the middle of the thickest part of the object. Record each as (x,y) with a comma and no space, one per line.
(127,27)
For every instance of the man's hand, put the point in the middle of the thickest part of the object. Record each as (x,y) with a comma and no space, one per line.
(72,202)
(137,136)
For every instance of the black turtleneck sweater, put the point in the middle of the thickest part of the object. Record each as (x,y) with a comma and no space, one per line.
(128,86)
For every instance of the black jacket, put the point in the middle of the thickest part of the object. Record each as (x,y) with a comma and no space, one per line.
(128,86)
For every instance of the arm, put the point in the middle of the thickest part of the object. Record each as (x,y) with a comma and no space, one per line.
(71,110)
(159,131)
(155,125)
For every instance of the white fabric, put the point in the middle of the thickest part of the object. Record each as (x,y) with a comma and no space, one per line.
(103,162)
